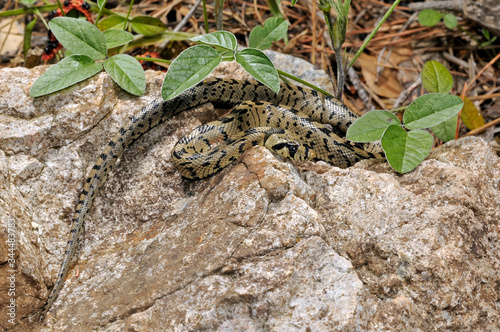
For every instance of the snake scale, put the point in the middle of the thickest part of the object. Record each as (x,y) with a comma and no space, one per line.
(290,123)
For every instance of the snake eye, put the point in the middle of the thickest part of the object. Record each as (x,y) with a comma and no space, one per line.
(292,149)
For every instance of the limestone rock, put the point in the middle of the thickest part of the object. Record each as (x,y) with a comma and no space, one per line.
(484,12)
(265,245)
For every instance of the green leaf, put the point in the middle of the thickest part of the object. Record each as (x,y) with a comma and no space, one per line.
(486,33)
(371,126)
(147,25)
(162,37)
(79,37)
(188,69)
(406,150)
(294,2)
(446,130)
(431,109)
(429,17)
(223,39)
(127,72)
(116,37)
(112,22)
(67,72)
(262,37)
(489,42)
(100,3)
(450,21)
(436,78)
(257,64)
(470,115)
(28,3)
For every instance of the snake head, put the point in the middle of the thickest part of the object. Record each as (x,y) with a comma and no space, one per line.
(290,149)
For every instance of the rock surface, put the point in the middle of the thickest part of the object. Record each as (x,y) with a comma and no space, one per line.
(266,245)
(484,12)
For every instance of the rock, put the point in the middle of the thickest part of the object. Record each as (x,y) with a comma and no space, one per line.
(484,12)
(265,245)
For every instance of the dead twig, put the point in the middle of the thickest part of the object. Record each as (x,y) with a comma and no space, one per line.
(482,128)
(484,97)
(405,93)
(455,5)
(455,60)
(363,95)
(187,17)
(482,71)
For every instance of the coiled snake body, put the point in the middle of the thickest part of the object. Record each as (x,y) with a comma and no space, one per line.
(291,123)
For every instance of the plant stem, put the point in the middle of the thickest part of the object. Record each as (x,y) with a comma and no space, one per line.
(219,6)
(205,15)
(26,11)
(312,86)
(61,8)
(153,59)
(338,53)
(49,8)
(337,28)
(36,12)
(128,14)
(340,72)
(100,12)
(372,34)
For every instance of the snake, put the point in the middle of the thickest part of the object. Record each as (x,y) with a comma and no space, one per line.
(296,123)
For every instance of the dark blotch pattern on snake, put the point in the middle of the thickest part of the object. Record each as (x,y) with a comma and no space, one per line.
(291,123)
